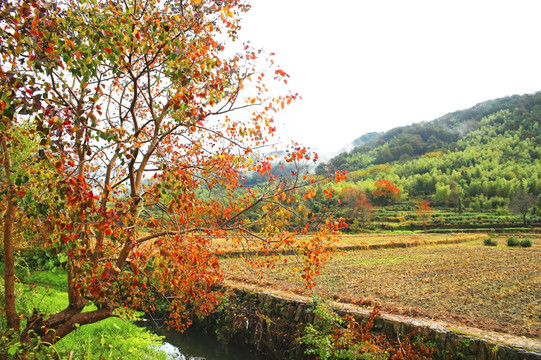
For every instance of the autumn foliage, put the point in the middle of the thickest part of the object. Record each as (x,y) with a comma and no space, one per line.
(133,108)
(385,192)
(335,337)
(359,208)
(423,211)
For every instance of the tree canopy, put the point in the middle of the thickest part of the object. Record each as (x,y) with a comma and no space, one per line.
(145,120)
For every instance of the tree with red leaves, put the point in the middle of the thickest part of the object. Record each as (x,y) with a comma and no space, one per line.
(357,205)
(386,192)
(423,212)
(135,107)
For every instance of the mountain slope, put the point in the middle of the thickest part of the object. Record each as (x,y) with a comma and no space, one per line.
(482,155)
(410,142)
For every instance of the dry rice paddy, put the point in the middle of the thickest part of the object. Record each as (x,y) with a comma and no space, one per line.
(496,288)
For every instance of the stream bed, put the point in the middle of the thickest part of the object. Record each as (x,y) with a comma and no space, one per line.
(194,344)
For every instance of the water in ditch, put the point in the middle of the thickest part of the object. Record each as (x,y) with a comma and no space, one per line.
(193,344)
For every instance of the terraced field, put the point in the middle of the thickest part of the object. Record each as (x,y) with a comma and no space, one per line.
(495,288)
(361,242)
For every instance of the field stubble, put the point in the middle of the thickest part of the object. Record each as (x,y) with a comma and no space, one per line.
(492,288)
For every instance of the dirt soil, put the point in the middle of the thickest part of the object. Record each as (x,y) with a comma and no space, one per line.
(466,284)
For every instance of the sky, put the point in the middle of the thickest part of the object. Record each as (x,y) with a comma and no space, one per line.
(363,66)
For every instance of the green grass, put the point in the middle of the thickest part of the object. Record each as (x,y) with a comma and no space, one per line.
(56,279)
(112,338)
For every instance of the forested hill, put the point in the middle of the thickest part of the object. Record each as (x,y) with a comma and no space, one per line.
(410,142)
(483,154)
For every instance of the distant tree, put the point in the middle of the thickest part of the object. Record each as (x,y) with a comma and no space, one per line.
(521,203)
(443,193)
(423,212)
(386,192)
(459,206)
(358,206)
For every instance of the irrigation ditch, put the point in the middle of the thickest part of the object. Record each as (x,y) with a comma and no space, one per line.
(272,321)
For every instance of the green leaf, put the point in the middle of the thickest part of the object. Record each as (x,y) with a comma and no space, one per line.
(13,349)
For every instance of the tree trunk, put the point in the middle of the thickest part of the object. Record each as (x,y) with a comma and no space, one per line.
(9,272)
(54,328)
(9,261)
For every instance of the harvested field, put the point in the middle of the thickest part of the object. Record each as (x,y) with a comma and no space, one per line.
(495,288)
(359,242)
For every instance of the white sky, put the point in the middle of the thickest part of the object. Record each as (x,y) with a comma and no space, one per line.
(365,66)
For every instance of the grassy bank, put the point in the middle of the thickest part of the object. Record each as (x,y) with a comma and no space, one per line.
(112,338)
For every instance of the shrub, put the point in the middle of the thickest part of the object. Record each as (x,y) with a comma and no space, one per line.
(334,337)
(490,242)
(513,241)
(526,243)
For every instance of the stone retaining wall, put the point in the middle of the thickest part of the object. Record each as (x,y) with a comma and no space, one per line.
(294,312)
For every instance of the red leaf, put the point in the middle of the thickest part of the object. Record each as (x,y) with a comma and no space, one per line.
(107,50)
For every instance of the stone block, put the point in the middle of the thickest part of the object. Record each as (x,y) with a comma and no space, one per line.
(299,312)
(397,328)
(378,324)
(474,346)
(388,329)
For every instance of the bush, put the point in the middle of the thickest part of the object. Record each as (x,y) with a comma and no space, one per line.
(38,258)
(490,242)
(526,243)
(334,337)
(513,241)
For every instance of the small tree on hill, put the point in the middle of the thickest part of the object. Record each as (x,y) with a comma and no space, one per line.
(459,206)
(521,203)
(386,192)
(423,212)
(357,204)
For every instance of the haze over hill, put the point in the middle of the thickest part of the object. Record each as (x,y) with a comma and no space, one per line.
(393,63)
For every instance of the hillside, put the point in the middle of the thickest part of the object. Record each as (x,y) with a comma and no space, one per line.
(479,158)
